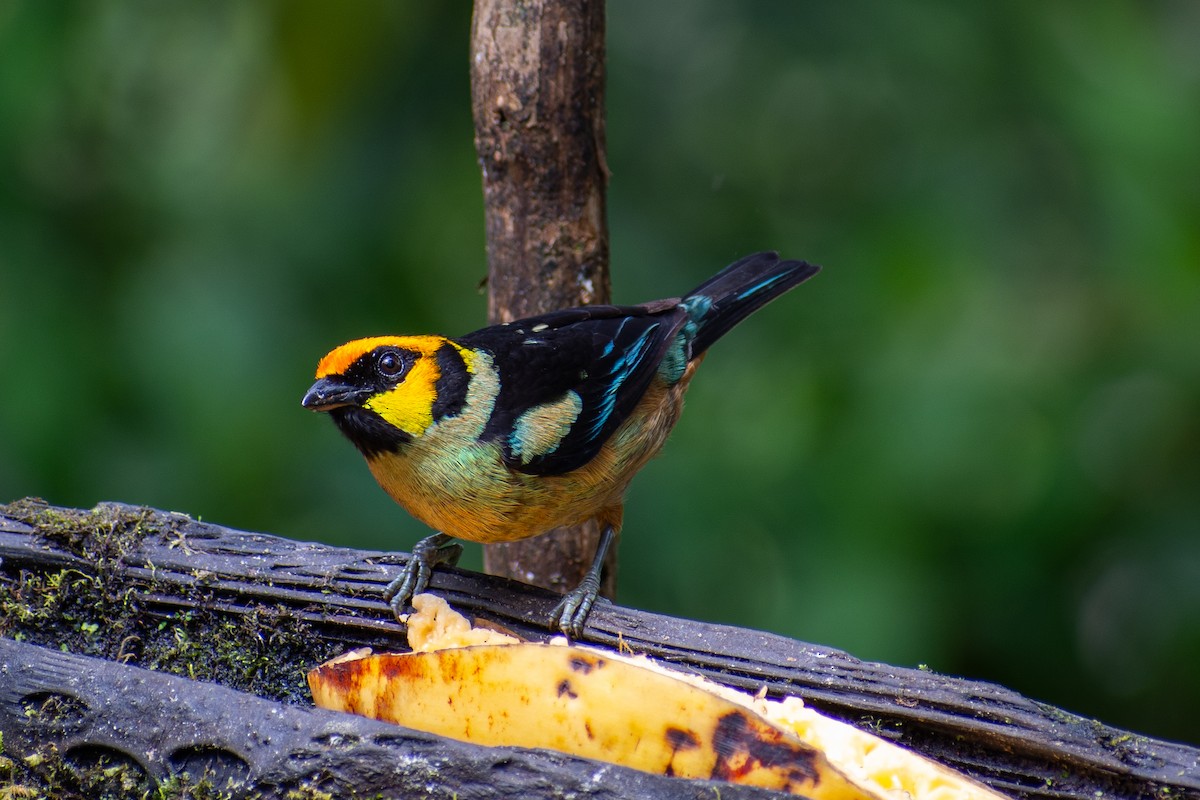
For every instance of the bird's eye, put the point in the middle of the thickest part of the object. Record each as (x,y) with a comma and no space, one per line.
(390,365)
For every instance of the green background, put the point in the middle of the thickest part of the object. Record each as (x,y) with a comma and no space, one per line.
(973,442)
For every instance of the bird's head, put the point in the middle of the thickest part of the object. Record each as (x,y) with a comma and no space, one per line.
(385,391)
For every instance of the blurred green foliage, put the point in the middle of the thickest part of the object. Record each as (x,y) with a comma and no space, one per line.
(972,442)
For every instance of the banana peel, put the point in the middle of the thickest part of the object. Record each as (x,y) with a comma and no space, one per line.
(483,686)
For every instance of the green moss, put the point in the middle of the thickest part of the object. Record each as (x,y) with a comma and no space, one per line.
(308,793)
(96,608)
(265,652)
(102,536)
(91,605)
(46,773)
(184,787)
(56,609)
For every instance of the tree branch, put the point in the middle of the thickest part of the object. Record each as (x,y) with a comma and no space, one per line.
(537,94)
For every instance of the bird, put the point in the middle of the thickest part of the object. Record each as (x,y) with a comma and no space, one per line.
(518,428)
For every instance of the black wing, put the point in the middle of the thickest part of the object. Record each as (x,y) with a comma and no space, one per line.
(606,355)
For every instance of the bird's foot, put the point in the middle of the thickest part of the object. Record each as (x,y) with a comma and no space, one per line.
(426,554)
(571,613)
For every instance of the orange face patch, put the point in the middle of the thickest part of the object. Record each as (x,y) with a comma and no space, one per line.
(338,360)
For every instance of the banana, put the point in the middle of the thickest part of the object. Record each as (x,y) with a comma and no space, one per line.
(483,686)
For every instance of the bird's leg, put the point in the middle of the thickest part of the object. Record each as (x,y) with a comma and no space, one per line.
(572,611)
(426,554)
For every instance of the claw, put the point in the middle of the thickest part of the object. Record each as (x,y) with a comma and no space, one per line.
(414,579)
(571,613)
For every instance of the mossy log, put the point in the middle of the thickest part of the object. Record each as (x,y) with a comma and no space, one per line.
(97,607)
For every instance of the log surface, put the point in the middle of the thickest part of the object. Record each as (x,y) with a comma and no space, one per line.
(149,725)
(164,583)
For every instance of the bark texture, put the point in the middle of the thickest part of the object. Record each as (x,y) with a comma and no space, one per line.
(537,93)
(124,588)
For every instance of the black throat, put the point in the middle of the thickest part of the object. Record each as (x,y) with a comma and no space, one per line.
(368,432)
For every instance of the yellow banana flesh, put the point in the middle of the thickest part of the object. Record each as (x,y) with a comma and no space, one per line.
(481,686)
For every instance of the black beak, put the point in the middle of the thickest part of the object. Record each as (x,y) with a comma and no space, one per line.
(330,393)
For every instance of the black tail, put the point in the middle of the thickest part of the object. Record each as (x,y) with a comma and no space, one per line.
(738,291)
